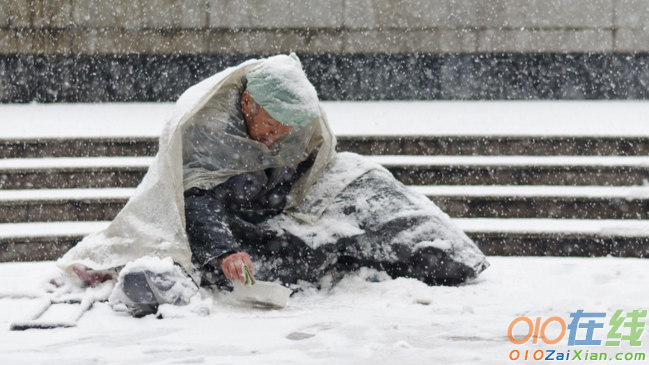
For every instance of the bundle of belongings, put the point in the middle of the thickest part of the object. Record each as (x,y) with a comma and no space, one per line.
(247,176)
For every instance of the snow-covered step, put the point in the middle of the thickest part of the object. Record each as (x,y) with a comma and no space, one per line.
(581,202)
(71,163)
(78,147)
(49,230)
(467,145)
(507,161)
(471,191)
(105,172)
(517,170)
(44,195)
(62,173)
(558,237)
(42,241)
(366,145)
(51,205)
(557,227)
(533,237)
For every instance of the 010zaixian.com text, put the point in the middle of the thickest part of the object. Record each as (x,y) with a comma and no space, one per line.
(585,329)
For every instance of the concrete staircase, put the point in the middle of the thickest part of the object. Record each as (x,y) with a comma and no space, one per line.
(576,196)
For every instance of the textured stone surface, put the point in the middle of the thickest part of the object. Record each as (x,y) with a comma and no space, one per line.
(180,42)
(35,13)
(276,14)
(632,13)
(7,41)
(51,13)
(331,26)
(106,14)
(546,13)
(429,41)
(107,42)
(379,14)
(20,13)
(266,42)
(373,14)
(36,42)
(160,14)
(140,14)
(545,41)
(632,40)
(4,13)
(135,41)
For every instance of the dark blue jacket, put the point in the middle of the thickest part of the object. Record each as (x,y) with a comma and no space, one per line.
(252,197)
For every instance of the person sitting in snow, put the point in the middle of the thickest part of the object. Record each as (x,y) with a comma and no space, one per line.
(247,173)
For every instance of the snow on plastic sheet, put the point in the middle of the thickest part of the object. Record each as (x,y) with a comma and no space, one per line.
(342,171)
(377,204)
(280,79)
(446,235)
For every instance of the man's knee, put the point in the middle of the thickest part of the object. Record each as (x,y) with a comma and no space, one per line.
(143,291)
(433,267)
(141,298)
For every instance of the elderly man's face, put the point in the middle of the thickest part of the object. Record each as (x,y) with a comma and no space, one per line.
(261,126)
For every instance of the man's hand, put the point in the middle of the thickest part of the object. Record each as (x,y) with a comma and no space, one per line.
(231,265)
(90,277)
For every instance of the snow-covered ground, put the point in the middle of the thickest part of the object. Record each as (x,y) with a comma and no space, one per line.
(415,118)
(357,322)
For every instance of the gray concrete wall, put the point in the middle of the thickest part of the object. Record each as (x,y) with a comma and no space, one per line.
(322,26)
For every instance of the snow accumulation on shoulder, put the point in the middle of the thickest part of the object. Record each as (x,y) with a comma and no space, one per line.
(376,118)
(357,322)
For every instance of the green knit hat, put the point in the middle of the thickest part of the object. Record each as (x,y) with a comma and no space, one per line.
(280,86)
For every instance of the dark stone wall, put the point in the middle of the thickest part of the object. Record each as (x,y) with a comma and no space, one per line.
(70,78)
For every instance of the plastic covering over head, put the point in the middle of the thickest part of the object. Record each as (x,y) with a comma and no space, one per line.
(216,144)
(202,144)
(282,88)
